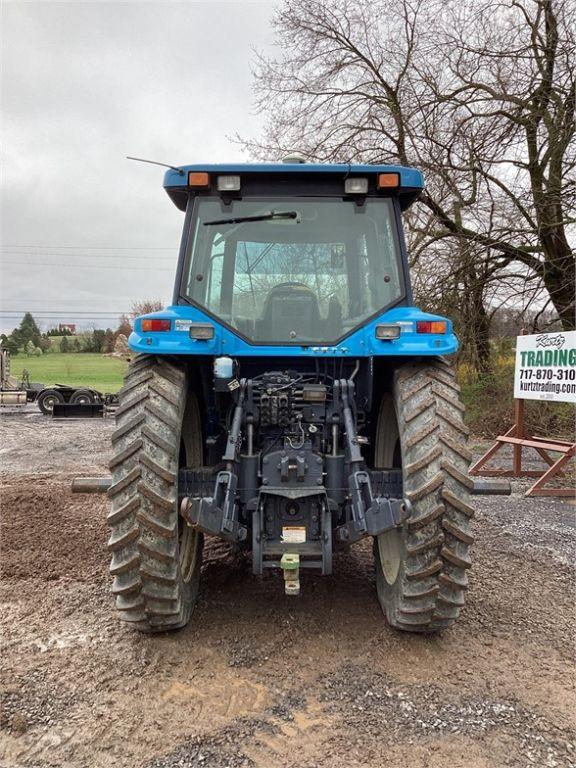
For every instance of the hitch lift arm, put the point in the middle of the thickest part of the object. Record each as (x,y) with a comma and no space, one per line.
(218,514)
(370,515)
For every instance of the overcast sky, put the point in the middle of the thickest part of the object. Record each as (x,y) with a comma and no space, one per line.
(83,85)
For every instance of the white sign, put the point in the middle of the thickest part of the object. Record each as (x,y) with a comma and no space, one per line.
(546,367)
(294,534)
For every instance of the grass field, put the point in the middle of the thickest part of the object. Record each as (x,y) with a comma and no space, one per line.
(84,369)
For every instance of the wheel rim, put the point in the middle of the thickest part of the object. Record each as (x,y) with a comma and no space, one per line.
(188,544)
(389,455)
(50,402)
(390,552)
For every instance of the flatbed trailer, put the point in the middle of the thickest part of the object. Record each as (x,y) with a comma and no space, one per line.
(17,393)
(62,394)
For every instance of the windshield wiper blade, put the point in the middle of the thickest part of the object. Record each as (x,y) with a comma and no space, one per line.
(260,217)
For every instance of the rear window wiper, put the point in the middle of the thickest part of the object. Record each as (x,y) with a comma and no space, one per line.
(270,215)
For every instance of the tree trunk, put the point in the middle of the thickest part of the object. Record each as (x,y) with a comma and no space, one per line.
(559,277)
(482,336)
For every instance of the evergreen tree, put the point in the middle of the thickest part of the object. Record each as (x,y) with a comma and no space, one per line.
(16,338)
(65,345)
(98,337)
(28,330)
(11,346)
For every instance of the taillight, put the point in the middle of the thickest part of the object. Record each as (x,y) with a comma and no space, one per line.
(155,325)
(431,326)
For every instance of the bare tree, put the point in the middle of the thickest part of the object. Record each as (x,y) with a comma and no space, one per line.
(124,326)
(480,94)
(144,306)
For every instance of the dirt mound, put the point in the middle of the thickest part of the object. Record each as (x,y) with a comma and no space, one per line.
(48,533)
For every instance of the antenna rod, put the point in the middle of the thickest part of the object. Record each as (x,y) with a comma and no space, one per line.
(155,162)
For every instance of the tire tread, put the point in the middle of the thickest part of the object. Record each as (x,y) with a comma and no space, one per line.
(430,589)
(148,587)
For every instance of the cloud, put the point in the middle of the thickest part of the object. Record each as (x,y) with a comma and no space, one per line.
(83,85)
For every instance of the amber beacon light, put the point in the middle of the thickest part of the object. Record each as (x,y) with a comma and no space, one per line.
(388,180)
(198,179)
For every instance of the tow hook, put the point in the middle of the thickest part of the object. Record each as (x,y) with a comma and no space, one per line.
(290,564)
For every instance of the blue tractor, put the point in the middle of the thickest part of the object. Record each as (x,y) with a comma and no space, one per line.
(292,400)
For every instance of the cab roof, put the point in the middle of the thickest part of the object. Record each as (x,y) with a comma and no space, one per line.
(319,176)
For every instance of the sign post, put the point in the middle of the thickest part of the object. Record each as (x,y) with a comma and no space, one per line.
(545,369)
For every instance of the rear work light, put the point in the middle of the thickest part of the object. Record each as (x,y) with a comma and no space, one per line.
(198,180)
(387,332)
(228,183)
(431,326)
(356,186)
(201,331)
(155,325)
(388,180)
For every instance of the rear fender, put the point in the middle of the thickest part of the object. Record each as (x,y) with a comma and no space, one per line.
(360,343)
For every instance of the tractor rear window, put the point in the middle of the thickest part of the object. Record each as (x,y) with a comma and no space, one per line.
(300,270)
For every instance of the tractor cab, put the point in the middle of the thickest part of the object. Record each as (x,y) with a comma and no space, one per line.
(289,255)
(294,270)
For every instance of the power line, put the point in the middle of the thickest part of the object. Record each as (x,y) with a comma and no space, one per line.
(79,266)
(59,302)
(62,313)
(98,247)
(122,256)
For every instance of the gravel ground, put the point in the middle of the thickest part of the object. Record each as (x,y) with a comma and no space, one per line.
(259,679)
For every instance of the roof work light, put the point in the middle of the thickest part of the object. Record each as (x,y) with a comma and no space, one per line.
(356,186)
(228,183)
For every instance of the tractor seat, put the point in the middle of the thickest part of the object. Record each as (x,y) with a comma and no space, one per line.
(291,313)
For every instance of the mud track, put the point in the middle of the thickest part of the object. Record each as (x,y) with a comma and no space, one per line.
(259,679)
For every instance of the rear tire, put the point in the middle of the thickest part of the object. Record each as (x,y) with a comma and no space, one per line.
(156,557)
(421,567)
(83,397)
(48,399)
